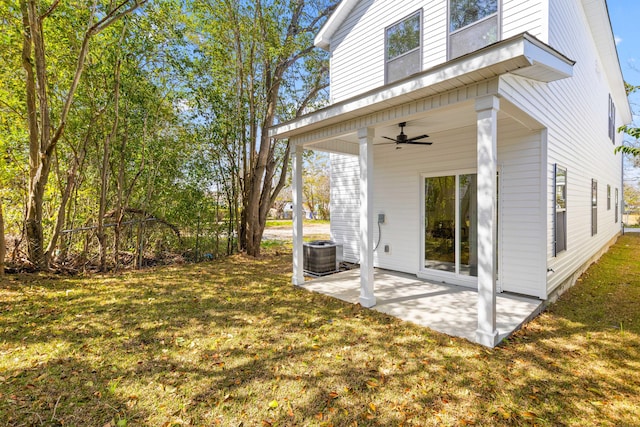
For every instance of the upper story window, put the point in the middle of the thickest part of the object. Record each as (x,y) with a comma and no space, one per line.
(403,53)
(612,120)
(473,24)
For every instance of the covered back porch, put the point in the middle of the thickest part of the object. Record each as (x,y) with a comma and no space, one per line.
(462,101)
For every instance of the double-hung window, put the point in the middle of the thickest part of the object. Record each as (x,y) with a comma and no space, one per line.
(403,53)
(560,208)
(617,202)
(473,24)
(594,207)
(612,120)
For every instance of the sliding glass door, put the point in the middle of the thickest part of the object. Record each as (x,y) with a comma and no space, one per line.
(450,224)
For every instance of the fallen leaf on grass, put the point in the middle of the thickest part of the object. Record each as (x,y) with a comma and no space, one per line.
(373,383)
(506,415)
(333,395)
(273,404)
(528,414)
(372,406)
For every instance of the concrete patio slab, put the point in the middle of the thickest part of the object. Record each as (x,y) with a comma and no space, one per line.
(444,308)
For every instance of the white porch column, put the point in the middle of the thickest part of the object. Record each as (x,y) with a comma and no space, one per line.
(487,110)
(298,273)
(365,138)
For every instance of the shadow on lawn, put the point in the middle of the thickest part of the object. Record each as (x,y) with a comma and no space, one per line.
(234,342)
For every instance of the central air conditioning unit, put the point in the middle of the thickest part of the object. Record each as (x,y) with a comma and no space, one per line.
(321,257)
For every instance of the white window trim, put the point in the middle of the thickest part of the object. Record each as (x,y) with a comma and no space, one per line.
(556,210)
(419,48)
(450,33)
(594,208)
(453,278)
(612,121)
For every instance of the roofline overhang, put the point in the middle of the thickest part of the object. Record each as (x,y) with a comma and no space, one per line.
(598,16)
(323,38)
(522,55)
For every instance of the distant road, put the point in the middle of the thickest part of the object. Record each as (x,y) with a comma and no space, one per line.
(286,232)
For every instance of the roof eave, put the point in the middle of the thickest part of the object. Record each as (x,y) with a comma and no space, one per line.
(523,54)
(323,38)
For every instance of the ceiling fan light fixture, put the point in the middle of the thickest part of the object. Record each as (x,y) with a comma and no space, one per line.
(402,138)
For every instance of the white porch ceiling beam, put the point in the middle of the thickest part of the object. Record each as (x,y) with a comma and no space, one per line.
(365,140)
(487,111)
(298,261)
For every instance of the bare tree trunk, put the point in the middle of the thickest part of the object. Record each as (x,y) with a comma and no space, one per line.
(140,245)
(104,178)
(33,223)
(66,195)
(262,190)
(120,204)
(3,247)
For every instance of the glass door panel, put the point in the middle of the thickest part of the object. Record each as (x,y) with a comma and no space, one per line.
(468,225)
(451,224)
(440,223)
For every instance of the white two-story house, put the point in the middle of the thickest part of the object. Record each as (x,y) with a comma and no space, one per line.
(483,131)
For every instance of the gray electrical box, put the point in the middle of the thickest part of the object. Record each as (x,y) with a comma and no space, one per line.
(381,218)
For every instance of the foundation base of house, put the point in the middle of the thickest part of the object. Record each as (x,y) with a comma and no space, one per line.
(570,281)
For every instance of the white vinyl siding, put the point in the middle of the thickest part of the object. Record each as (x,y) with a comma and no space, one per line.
(357,47)
(521,257)
(397,186)
(519,16)
(344,205)
(577,137)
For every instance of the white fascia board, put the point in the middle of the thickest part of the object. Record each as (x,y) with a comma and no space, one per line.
(508,56)
(323,38)
(537,55)
(597,13)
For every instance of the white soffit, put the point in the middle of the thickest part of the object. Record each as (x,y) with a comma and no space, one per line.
(523,54)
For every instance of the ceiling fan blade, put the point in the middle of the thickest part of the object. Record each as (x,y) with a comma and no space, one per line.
(419,142)
(415,138)
(391,139)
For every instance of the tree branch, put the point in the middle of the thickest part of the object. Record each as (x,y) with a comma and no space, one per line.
(105,22)
(50,10)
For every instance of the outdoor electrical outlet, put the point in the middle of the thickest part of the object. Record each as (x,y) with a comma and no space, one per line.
(387,249)
(381,218)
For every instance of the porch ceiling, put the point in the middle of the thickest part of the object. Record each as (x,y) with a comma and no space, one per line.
(523,55)
(436,123)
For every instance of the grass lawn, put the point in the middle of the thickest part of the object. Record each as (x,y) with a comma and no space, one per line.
(232,343)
